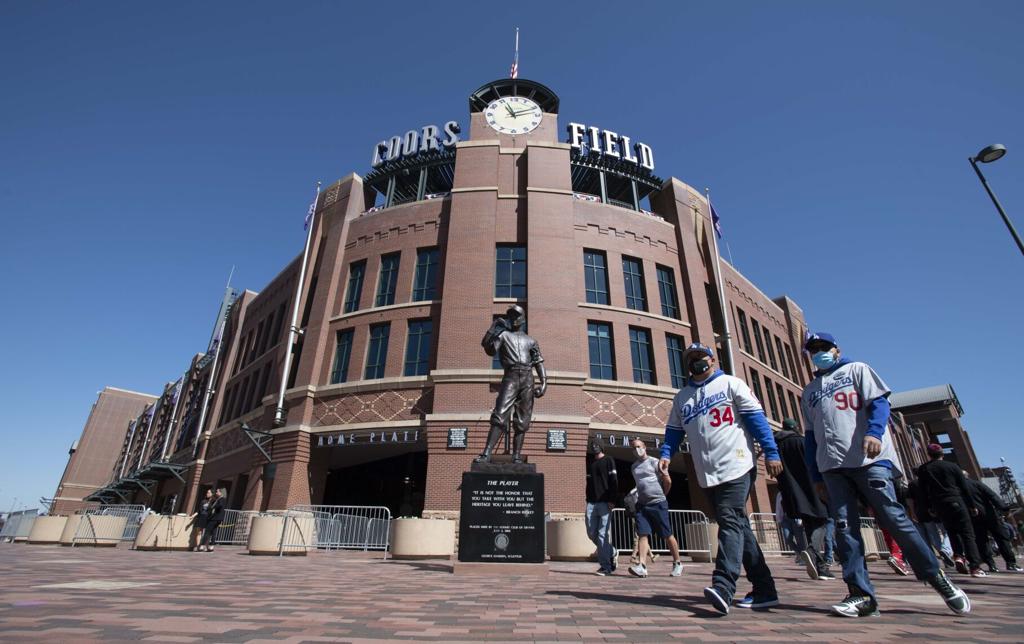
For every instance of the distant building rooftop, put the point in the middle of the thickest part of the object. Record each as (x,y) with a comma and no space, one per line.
(942,394)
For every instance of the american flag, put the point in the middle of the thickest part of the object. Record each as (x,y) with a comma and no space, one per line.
(514,71)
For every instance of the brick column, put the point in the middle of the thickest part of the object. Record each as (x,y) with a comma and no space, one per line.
(291,483)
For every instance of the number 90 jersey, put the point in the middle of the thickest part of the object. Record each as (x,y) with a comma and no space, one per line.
(710,415)
(835,406)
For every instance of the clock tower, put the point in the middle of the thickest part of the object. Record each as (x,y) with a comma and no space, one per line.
(513,109)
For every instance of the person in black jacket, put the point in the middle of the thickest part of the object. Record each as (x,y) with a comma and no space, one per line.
(988,523)
(944,485)
(602,486)
(799,499)
(199,522)
(216,513)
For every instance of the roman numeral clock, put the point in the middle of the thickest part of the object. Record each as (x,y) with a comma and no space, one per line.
(513,115)
(513,106)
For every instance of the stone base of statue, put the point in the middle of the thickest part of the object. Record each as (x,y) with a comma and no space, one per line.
(501,523)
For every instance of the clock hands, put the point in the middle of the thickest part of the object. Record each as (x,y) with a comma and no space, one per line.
(510,112)
(526,111)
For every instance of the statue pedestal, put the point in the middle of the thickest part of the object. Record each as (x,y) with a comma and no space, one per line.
(501,523)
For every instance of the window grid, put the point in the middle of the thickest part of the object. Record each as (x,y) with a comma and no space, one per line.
(667,290)
(356,273)
(640,349)
(633,277)
(602,352)
(417,350)
(388,279)
(339,373)
(782,359)
(771,349)
(792,365)
(425,282)
(510,272)
(676,370)
(744,333)
(757,339)
(755,383)
(782,401)
(595,276)
(377,355)
(794,406)
(771,398)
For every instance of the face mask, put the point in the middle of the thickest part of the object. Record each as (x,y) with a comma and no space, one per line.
(640,452)
(823,360)
(697,367)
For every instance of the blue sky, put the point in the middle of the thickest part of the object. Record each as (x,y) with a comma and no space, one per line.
(145,149)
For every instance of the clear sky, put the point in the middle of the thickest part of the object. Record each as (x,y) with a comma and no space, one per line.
(147,148)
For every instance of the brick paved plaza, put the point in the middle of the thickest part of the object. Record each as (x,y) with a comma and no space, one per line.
(50,593)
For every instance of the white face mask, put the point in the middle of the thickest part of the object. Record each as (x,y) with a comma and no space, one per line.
(640,452)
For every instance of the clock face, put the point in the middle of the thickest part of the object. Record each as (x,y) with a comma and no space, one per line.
(513,115)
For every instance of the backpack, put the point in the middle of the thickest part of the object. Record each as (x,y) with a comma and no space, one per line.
(630,501)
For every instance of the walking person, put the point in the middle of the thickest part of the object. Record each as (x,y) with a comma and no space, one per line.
(216,515)
(721,419)
(949,499)
(930,528)
(652,484)
(988,523)
(602,485)
(199,521)
(851,455)
(799,500)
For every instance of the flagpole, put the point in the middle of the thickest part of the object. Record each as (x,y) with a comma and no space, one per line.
(514,72)
(293,330)
(730,367)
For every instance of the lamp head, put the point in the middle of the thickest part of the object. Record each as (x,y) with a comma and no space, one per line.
(992,153)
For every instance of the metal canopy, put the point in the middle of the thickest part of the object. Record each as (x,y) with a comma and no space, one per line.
(532,90)
(160,470)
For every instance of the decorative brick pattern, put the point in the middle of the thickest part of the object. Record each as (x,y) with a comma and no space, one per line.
(627,409)
(374,407)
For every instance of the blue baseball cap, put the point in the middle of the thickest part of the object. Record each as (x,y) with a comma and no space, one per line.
(820,336)
(697,347)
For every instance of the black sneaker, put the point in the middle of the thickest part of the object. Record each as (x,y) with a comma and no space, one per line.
(825,572)
(717,599)
(956,599)
(809,564)
(856,606)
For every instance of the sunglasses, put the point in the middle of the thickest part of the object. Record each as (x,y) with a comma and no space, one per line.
(815,348)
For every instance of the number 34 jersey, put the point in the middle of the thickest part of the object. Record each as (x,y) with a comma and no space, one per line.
(835,406)
(710,415)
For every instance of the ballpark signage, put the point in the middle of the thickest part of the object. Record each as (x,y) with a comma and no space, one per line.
(457,437)
(557,440)
(594,140)
(368,438)
(426,139)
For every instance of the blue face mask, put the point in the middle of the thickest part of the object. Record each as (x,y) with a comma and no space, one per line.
(823,360)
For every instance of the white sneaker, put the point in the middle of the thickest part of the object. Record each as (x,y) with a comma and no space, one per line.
(638,570)
(677,569)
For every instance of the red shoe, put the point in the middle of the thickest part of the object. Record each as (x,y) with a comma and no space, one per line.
(978,572)
(899,566)
(961,565)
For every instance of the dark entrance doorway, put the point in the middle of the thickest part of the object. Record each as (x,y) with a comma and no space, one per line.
(397,482)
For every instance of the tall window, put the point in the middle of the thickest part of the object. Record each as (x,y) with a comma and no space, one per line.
(633,276)
(744,333)
(356,273)
(782,359)
(417,350)
(602,353)
(782,400)
(676,369)
(757,339)
(771,350)
(595,276)
(510,272)
(341,357)
(640,349)
(378,353)
(771,398)
(388,279)
(424,285)
(793,405)
(755,384)
(667,289)
(792,365)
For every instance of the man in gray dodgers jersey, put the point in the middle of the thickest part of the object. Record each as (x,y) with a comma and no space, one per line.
(851,455)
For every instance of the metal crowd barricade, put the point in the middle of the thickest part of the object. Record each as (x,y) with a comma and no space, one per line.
(768,533)
(874,540)
(18,525)
(336,527)
(690,527)
(108,525)
(234,529)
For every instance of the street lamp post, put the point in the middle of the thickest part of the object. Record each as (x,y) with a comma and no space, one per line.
(992,153)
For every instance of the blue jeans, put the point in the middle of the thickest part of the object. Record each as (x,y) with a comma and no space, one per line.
(873,483)
(829,547)
(934,535)
(598,520)
(736,542)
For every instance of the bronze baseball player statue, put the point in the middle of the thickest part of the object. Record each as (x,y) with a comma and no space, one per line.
(520,355)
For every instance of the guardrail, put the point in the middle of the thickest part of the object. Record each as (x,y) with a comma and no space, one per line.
(234,529)
(337,527)
(109,525)
(690,527)
(769,534)
(874,533)
(18,524)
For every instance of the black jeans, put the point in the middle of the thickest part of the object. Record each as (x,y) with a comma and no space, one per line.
(208,532)
(815,532)
(957,522)
(986,526)
(736,542)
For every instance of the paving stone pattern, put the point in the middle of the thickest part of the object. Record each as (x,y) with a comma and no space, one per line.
(54,594)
